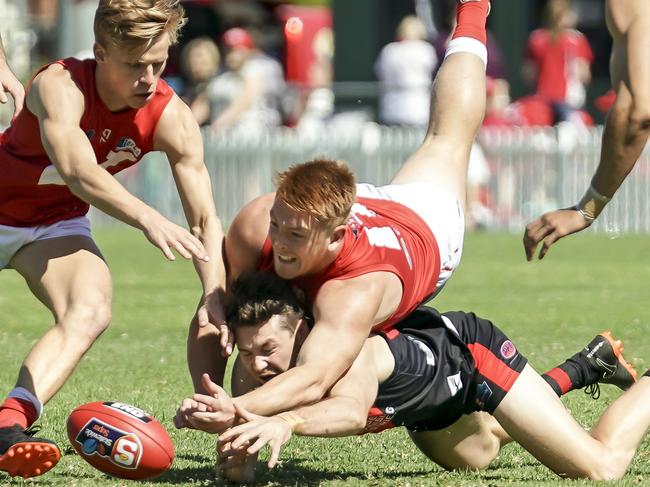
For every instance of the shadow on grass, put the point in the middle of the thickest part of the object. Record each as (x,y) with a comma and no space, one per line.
(290,473)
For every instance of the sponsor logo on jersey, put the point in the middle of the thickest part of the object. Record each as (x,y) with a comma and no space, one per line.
(119,447)
(508,350)
(455,383)
(132,411)
(127,144)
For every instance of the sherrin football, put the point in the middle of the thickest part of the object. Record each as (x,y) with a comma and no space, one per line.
(120,440)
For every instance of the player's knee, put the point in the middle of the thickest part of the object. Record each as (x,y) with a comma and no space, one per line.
(87,320)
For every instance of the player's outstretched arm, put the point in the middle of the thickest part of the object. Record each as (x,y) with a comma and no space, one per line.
(178,136)
(344,313)
(9,83)
(343,412)
(58,104)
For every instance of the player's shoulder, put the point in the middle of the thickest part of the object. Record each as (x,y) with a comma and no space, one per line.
(54,89)
(54,75)
(252,222)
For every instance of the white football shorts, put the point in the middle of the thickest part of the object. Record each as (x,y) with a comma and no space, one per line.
(441,211)
(12,239)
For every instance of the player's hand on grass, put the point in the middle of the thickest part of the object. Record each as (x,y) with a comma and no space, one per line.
(551,227)
(257,432)
(168,237)
(235,465)
(210,312)
(9,84)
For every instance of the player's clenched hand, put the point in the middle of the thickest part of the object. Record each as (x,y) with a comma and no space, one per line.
(216,410)
(551,227)
(210,312)
(9,84)
(257,432)
(168,236)
(187,407)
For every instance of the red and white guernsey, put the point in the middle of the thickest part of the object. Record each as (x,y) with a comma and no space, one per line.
(31,191)
(381,235)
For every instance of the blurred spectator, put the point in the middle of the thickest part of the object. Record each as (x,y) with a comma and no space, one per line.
(559,63)
(200,61)
(405,69)
(317,107)
(246,96)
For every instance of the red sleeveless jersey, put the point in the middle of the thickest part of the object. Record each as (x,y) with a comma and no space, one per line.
(31,191)
(381,235)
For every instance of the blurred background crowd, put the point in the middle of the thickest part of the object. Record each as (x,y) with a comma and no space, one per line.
(251,64)
(247,67)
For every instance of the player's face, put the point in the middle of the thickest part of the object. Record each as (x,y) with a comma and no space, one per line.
(266,350)
(300,242)
(129,77)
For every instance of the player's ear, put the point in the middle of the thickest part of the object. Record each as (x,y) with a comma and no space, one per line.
(100,52)
(338,235)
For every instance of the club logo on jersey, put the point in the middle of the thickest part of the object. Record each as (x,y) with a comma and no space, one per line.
(127,144)
(132,411)
(90,133)
(508,350)
(119,447)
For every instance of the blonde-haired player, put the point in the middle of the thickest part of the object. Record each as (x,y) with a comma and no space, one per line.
(84,121)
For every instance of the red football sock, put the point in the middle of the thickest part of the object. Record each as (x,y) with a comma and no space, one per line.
(17,411)
(470,19)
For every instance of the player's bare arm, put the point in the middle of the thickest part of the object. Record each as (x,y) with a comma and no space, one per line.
(246,236)
(58,104)
(344,313)
(626,130)
(178,136)
(343,412)
(9,83)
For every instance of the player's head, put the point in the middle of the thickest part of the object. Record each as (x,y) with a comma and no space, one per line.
(312,203)
(132,39)
(268,322)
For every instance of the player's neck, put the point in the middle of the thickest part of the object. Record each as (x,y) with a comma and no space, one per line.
(113,103)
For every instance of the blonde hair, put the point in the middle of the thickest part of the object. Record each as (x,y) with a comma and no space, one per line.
(323,188)
(137,23)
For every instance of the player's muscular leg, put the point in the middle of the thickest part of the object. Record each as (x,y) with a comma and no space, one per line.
(457,109)
(471,443)
(535,417)
(70,277)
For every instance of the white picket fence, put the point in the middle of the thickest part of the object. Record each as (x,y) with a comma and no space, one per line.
(531,170)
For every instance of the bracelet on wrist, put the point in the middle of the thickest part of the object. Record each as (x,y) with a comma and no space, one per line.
(591,204)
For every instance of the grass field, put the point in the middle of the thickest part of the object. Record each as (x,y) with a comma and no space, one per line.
(550,310)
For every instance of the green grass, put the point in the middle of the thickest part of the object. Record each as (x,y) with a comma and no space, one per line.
(550,309)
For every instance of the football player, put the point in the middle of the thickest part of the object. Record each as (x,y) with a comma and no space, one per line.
(454,380)
(84,121)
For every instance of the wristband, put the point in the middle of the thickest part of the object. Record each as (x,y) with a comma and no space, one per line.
(292,418)
(591,204)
